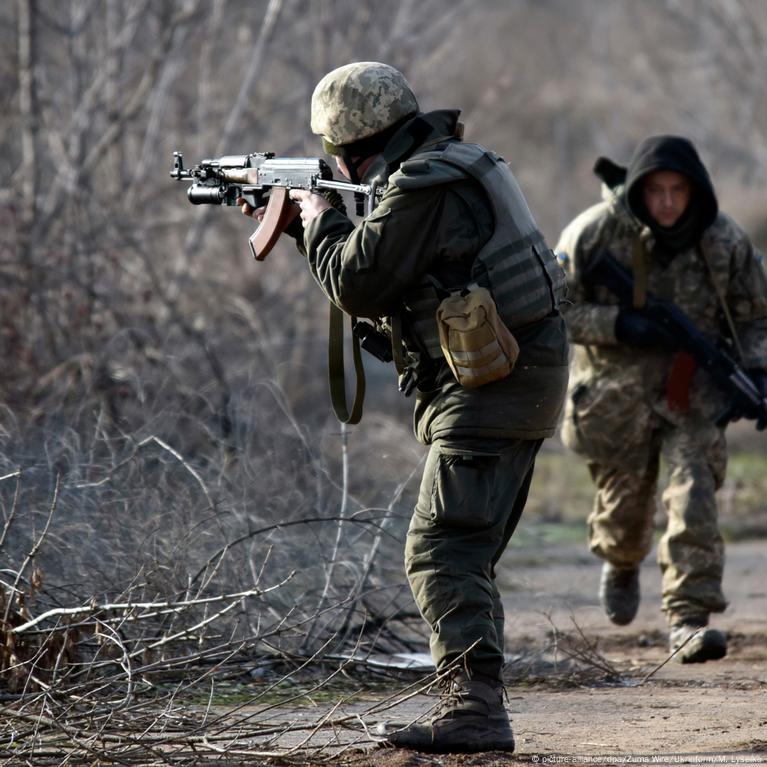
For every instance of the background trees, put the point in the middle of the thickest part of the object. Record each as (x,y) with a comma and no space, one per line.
(177,388)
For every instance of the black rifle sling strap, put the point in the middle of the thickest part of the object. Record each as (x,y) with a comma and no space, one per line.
(336,369)
(396,343)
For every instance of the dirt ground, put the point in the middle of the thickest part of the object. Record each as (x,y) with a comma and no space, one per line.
(713,713)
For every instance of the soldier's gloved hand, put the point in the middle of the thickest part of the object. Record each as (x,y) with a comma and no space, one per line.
(333,196)
(407,382)
(635,328)
(296,227)
(736,412)
(759,377)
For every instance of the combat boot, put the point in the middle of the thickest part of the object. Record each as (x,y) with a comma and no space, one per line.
(471,718)
(704,643)
(619,593)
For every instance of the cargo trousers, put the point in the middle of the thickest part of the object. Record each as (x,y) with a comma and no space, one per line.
(691,550)
(472,494)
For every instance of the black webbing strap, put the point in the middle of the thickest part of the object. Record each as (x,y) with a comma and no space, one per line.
(396,343)
(336,369)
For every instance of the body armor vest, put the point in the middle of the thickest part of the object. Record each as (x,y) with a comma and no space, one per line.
(515,264)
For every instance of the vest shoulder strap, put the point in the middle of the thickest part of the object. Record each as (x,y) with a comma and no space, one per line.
(456,161)
(424,170)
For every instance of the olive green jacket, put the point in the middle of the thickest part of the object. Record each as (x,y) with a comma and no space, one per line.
(367,269)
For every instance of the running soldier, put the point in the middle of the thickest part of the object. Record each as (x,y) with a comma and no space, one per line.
(634,398)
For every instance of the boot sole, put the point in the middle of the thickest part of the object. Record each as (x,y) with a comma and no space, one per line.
(465,747)
(627,602)
(423,739)
(476,748)
(711,648)
(621,620)
(705,653)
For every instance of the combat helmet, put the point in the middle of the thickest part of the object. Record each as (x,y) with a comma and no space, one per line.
(359,101)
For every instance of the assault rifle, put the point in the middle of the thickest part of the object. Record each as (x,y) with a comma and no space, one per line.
(263,179)
(744,397)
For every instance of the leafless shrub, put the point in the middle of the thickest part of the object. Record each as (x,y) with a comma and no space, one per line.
(149,575)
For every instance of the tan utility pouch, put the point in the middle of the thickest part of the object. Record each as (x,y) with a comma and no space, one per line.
(477,345)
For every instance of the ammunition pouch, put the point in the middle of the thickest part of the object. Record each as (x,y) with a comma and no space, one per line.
(478,347)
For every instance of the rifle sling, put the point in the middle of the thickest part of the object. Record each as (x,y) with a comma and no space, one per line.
(336,369)
(723,301)
(396,343)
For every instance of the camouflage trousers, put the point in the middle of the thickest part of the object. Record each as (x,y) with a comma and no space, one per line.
(472,495)
(691,551)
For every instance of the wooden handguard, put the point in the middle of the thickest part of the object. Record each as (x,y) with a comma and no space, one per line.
(280,211)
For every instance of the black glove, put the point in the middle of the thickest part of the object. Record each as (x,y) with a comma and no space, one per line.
(295,228)
(759,377)
(408,381)
(635,328)
(333,196)
(735,413)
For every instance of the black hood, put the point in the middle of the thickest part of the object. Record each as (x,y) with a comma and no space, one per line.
(676,154)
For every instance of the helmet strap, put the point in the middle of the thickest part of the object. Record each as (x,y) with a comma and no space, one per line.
(352,168)
(392,151)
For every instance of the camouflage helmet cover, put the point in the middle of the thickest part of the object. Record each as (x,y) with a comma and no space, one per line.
(359,100)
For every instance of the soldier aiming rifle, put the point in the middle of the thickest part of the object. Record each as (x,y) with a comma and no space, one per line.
(452,265)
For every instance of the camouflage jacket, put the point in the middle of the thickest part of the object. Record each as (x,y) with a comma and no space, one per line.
(617,391)
(368,269)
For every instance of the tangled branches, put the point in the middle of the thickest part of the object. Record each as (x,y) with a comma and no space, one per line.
(154,608)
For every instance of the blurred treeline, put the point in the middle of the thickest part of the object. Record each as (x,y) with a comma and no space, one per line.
(177,387)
